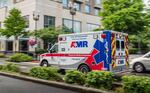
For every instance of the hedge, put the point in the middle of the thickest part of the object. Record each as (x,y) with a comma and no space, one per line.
(2,55)
(136,84)
(20,57)
(100,79)
(74,76)
(47,73)
(9,67)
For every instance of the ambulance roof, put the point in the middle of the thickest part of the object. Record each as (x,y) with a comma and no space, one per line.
(82,33)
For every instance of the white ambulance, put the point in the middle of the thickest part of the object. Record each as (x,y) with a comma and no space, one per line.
(102,50)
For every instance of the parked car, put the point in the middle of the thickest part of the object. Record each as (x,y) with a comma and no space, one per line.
(141,64)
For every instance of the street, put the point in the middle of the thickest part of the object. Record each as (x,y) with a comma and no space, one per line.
(10,85)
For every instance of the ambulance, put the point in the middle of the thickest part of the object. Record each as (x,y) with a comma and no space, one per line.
(101,50)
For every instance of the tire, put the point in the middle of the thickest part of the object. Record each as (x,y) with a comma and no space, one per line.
(139,67)
(44,63)
(84,68)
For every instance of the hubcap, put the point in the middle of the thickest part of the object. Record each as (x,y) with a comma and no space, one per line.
(84,69)
(139,68)
(44,64)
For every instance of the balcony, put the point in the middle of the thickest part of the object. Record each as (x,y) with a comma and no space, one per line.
(79,1)
(99,6)
(59,1)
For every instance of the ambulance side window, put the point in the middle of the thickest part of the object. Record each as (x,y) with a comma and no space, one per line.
(117,44)
(54,49)
(122,45)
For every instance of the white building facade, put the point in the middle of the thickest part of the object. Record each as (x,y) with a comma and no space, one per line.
(51,13)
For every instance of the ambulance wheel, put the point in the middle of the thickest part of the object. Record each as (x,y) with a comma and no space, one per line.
(138,67)
(44,63)
(84,68)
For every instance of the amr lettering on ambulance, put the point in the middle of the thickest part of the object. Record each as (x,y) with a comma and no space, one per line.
(102,50)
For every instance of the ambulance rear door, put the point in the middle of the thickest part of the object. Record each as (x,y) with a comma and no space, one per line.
(119,52)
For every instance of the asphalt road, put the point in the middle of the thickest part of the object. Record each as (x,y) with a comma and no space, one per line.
(11,85)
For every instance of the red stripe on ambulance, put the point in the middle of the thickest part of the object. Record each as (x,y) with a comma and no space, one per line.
(66,55)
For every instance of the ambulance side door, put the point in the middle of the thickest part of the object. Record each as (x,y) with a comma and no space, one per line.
(53,58)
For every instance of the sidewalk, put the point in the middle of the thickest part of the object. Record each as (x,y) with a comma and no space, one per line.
(24,66)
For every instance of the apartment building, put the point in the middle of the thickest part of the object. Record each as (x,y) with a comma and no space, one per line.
(51,13)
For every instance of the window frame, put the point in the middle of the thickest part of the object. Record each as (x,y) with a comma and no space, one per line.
(27,20)
(91,24)
(96,13)
(75,21)
(89,11)
(79,8)
(97,2)
(47,24)
(65,5)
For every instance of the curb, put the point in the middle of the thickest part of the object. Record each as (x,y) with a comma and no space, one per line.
(55,84)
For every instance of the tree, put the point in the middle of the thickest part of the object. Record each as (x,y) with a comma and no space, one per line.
(127,16)
(123,15)
(14,26)
(50,34)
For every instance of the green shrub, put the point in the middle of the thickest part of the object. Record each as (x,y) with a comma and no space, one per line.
(20,57)
(136,84)
(40,51)
(45,73)
(100,79)
(74,76)
(10,67)
(119,90)
(2,55)
(1,67)
(133,50)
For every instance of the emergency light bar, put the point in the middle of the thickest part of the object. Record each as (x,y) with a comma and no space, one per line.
(103,36)
(62,39)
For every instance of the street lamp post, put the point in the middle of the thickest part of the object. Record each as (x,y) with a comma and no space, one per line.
(72,8)
(36,18)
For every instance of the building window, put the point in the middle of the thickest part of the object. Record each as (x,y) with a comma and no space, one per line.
(23,45)
(9,45)
(49,21)
(96,11)
(98,2)
(88,1)
(92,27)
(26,18)
(77,25)
(3,3)
(87,9)
(65,3)
(78,6)
(17,1)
